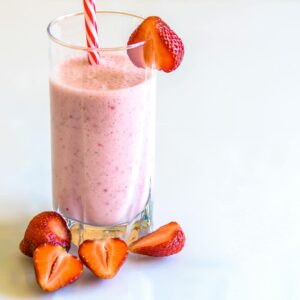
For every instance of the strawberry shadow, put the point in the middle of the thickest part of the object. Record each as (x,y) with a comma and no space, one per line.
(16,271)
(144,259)
(136,261)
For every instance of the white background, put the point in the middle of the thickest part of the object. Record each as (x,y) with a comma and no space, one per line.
(228,151)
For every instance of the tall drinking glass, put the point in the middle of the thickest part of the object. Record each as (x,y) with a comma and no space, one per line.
(102,124)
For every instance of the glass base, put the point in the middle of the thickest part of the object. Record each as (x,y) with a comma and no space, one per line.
(129,232)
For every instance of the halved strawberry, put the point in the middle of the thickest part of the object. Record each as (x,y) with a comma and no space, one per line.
(167,240)
(55,267)
(103,257)
(46,227)
(162,48)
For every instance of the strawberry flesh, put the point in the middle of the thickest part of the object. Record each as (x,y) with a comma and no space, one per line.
(162,47)
(103,257)
(167,240)
(55,267)
(46,227)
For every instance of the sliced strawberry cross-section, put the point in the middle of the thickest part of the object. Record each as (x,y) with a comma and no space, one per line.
(162,47)
(103,257)
(55,267)
(167,240)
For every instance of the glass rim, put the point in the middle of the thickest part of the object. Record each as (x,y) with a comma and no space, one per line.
(85,48)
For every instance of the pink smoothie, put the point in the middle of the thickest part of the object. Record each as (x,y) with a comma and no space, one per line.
(102,139)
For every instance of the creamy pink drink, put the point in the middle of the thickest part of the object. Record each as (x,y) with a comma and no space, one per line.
(102,139)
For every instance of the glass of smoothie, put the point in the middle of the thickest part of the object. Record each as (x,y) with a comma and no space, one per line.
(102,125)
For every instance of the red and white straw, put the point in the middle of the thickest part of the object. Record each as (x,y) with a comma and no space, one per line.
(91,31)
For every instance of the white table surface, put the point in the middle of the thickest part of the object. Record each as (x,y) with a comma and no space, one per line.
(228,151)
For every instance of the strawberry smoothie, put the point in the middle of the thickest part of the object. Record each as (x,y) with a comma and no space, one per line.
(102,139)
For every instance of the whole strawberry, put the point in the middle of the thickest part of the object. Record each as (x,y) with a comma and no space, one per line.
(46,227)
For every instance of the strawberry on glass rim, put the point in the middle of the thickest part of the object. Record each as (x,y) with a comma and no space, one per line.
(162,47)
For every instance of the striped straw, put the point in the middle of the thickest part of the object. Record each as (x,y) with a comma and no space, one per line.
(91,31)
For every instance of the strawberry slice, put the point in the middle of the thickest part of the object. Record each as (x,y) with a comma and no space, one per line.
(163,48)
(103,257)
(46,227)
(167,240)
(55,267)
